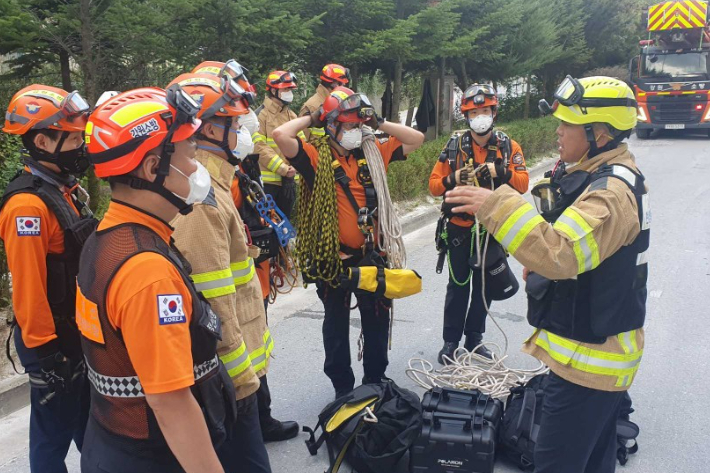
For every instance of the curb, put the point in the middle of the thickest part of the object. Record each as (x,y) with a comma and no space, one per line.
(15,391)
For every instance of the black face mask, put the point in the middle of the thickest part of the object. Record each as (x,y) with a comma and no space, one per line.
(74,161)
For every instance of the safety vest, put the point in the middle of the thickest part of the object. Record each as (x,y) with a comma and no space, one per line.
(262,236)
(607,299)
(118,402)
(459,152)
(61,268)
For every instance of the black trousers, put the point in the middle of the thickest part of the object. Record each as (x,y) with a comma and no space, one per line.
(283,195)
(374,315)
(577,429)
(459,315)
(245,452)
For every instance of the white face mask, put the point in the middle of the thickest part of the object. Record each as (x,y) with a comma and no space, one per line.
(481,123)
(200,185)
(249,121)
(351,139)
(245,145)
(286,96)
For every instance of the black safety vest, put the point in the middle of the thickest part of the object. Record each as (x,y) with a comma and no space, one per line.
(607,300)
(118,402)
(61,268)
(262,236)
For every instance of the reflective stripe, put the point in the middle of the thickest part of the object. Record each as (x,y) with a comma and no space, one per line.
(272,143)
(214,283)
(237,361)
(588,360)
(260,356)
(115,386)
(268,176)
(275,163)
(258,138)
(205,368)
(517,227)
(301,135)
(580,232)
(642,258)
(624,173)
(317,131)
(243,271)
(646,212)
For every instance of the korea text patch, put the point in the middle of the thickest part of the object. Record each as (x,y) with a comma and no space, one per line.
(28,226)
(170,310)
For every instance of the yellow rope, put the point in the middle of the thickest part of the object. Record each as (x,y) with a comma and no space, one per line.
(318,242)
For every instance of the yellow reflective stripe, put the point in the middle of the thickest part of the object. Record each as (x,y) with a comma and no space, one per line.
(260,356)
(301,135)
(275,163)
(580,232)
(634,344)
(588,360)
(258,138)
(243,271)
(237,361)
(518,226)
(268,176)
(317,131)
(214,283)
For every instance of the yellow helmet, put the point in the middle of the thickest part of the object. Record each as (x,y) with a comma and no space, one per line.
(596,99)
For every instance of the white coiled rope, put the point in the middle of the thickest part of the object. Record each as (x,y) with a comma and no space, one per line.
(389,229)
(469,370)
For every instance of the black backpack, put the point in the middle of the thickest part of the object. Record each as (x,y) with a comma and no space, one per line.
(370,428)
(521,423)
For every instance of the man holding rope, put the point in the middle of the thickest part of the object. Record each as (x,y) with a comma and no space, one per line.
(586,260)
(339,209)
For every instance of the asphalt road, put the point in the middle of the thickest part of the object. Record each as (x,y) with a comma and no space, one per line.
(669,392)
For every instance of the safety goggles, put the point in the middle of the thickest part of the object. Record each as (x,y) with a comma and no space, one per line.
(286,78)
(357,104)
(478,93)
(238,73)
(571,92)
(185,106)
(232,92)
(71,106)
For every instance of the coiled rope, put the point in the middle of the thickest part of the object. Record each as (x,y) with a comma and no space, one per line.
(469,370)
(389,229)
(318,242)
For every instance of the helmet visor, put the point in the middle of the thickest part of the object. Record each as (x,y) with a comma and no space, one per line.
(71,107)
(479,89)
(357,107)
(287,78)
(569,92)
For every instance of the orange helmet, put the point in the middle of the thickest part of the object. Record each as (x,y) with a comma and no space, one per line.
(217,97)
(235,70)
(344,105)
(39,107)
(281,80)
(122,130)
(479,96)
(335,73)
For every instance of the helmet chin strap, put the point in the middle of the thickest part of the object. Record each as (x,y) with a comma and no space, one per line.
(594,149)
(223,145)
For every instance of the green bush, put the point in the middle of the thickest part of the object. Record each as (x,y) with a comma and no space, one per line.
(536,136)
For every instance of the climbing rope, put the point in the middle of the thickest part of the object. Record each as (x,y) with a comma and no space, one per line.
(318,242)
(469,370)
(283,273)
(390,235)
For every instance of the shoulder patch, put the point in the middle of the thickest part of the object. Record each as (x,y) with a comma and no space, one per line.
(518,158)
(28,226)
(599,184)
(170,310)
(210,199)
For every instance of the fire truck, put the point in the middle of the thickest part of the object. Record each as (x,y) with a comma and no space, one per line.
(671,74)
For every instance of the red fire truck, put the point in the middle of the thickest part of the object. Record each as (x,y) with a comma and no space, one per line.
(671,74)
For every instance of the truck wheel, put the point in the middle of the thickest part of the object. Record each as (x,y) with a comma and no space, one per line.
(643,133)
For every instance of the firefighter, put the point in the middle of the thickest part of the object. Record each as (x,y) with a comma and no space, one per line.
(342,116)
(161,398)
(225,269)
(501,161)
(43,224)
(278,176)
(331,76)
(585,254)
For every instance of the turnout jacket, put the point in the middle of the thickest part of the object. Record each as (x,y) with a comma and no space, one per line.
(272,115)
(602,221)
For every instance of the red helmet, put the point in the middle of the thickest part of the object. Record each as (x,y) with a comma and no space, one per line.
(335,73)
(38,107)
(281,80)
(479,96)
(122,130)
(216,97)
(344,105)
(235,70)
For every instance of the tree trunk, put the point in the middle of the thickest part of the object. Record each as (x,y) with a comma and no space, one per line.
(354,76)
(442,97)
(89,70)
(65,70)
(397,90)
(526,113)
(387,100)
(410,115)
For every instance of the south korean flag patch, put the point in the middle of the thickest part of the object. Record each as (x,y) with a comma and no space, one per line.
(170,309)
(28,226)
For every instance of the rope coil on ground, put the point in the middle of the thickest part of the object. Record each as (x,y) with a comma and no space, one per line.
(389,228)
(469,370)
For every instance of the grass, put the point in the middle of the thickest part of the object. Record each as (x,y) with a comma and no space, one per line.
(410,180)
